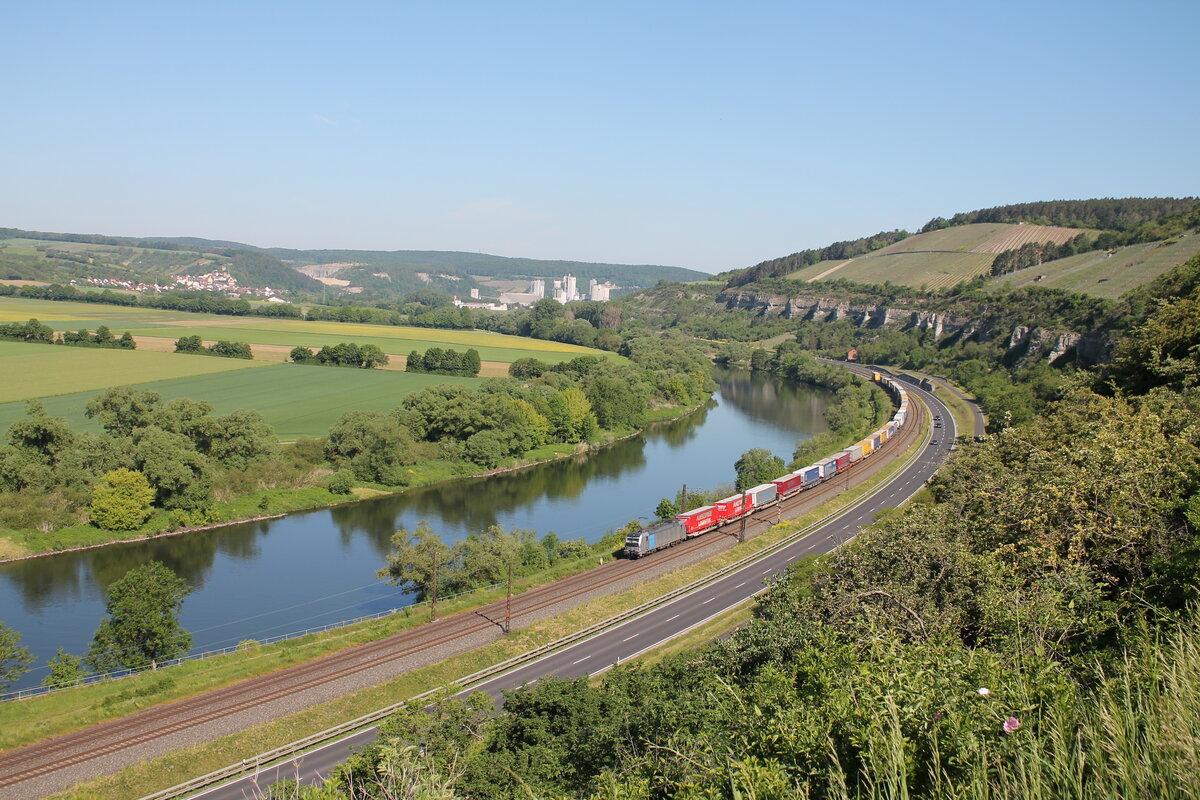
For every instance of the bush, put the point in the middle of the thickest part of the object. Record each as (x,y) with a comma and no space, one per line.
(485,449)
(121,500)
(341,482)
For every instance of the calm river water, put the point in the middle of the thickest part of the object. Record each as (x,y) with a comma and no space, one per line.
(262,579)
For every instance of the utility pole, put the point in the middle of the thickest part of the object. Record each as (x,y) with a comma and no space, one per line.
(745,515)
(433,596)
(683,499)
(508,603)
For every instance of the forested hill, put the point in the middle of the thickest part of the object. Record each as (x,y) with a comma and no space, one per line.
(61,257)
(501,267)
(1108,213)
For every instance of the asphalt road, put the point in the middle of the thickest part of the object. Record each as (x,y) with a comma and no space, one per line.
(653,628)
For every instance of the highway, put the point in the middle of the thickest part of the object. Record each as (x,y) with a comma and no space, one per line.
(655,627)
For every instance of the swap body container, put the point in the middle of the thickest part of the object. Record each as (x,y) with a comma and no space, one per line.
(828,467)
(732,507)
(763,494)
(699,519)
(789,483)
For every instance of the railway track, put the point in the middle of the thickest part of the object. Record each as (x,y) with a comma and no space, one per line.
(21,767)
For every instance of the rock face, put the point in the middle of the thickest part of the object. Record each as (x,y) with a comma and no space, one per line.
(1024,343)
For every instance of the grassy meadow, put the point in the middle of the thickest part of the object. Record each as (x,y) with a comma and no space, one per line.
(297,399)
(44,370)
(1100,275)
(937,259)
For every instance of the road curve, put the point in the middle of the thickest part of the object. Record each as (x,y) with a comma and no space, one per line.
(653,628)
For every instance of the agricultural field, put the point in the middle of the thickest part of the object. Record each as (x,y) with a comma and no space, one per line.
(282,332)
(1100,275)
(937,259)
(43,370)
(298,400)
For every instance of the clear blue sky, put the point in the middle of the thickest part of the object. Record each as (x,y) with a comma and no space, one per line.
(708,135)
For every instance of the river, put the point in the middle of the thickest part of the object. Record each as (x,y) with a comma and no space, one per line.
(304,570)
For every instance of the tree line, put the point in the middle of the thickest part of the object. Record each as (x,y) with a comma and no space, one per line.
(151,456)
(34,331)
(573,402)
(445,361)
(222,348)
(343,354)
(1032,254)
(420,562)
(1123,214)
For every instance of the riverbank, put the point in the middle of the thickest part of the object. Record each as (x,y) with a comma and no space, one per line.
(24,545)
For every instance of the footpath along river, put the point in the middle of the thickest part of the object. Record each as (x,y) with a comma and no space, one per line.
(261,579)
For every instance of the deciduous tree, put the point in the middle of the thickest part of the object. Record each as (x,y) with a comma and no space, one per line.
(15,658)
(142,623)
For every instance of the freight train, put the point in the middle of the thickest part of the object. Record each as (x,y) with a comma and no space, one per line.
(706,518)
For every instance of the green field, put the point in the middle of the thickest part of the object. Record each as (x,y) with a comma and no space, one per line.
(1101,275)
(283,332)
(297,400)
(41,370)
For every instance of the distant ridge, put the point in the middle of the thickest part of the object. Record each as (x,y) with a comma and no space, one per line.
(379,275)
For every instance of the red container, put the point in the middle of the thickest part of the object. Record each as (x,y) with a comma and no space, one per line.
(843,462)
(699,519)
(731,507)
(789,483)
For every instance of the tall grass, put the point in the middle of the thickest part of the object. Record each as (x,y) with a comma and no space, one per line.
(1135,735)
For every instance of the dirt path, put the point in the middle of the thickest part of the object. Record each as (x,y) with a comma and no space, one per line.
(278,353)
(830,271)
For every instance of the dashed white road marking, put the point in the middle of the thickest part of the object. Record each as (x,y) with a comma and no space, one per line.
(585,658)
(631,637)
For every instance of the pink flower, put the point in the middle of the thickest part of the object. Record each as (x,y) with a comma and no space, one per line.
(1011,724)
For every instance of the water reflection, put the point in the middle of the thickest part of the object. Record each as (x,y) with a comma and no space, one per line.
(270,577)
